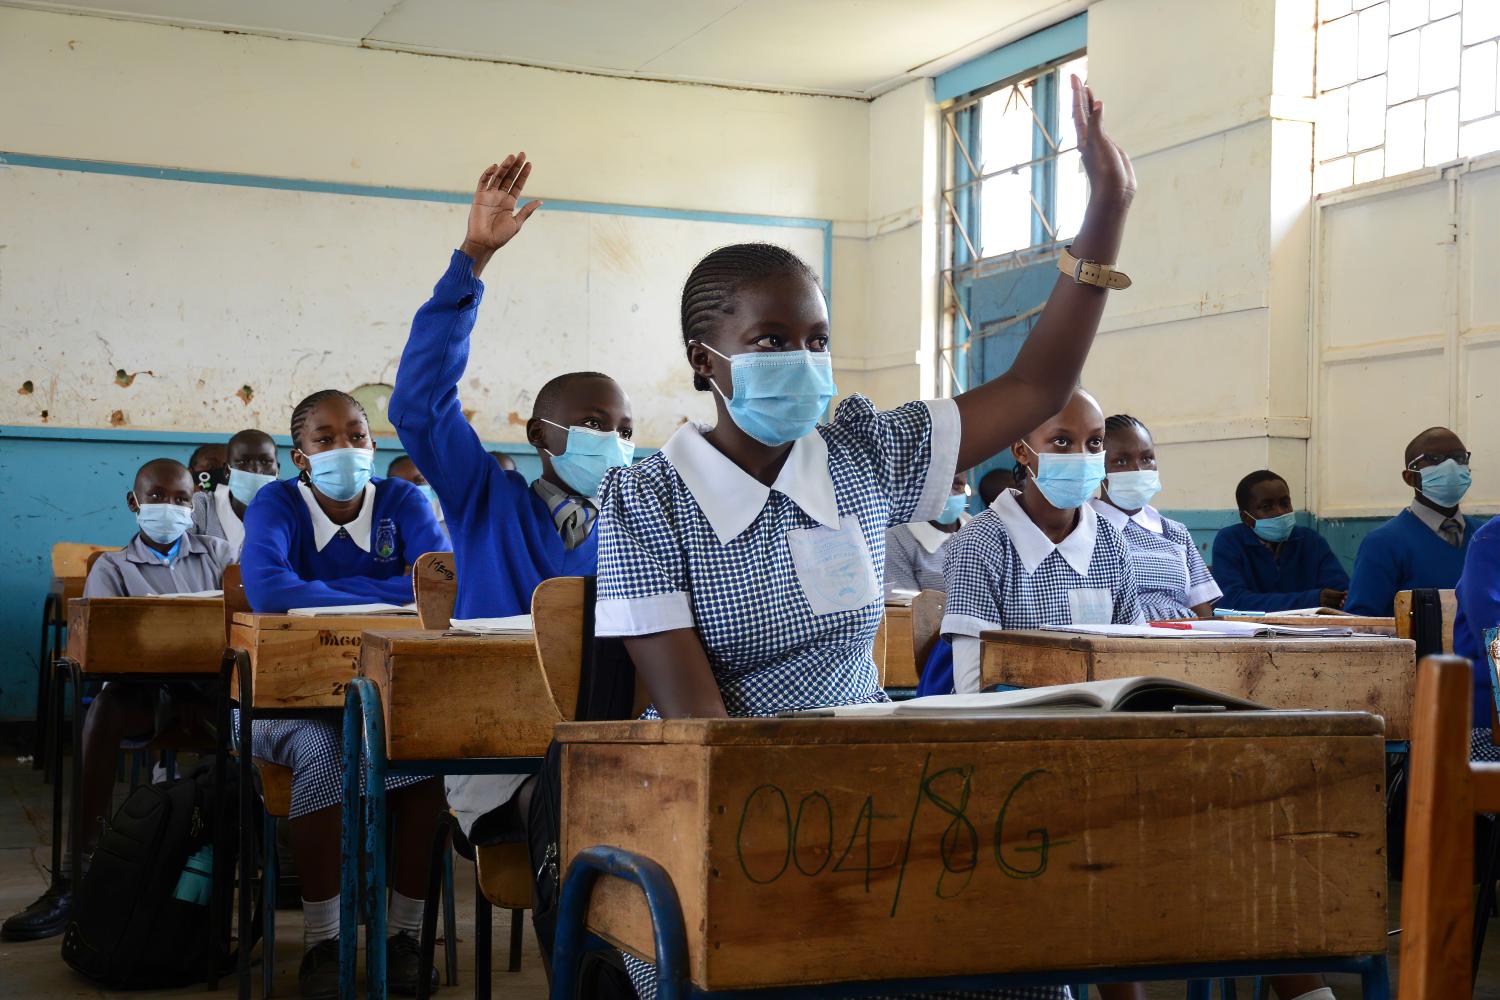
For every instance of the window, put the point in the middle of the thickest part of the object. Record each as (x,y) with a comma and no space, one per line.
(1404,84)
(1014,193)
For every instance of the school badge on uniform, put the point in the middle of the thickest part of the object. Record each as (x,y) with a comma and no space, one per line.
(385,539)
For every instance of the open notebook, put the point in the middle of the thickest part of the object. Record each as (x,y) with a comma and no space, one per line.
(1293,613)
(194,593)
(345,610)
(1124,694)
(1205,628)
(513,625)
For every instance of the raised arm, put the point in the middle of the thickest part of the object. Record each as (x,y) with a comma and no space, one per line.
(998,413)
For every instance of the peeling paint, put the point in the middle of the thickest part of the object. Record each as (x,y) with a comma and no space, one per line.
(125,379)
(246,394)
(44,416)
(515,419)
(117,418)
(27,388)
(469,415)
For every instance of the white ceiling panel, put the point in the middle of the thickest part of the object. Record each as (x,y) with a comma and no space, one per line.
(850,48)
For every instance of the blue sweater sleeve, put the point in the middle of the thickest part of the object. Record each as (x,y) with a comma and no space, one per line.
(271,584)
(1232,572)
(1376,578)
(425,409)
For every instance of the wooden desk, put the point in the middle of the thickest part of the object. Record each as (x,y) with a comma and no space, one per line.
(146,635)
(883,848)
(900,662)
(1376,675)
(67,588)
(301,663)
(1354,623)
(450,696)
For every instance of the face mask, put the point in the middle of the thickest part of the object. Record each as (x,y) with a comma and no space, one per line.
(244,485)
(1068,480)
(163,523)
(1133,490)
(428,493)
(1446,483)
(953,508)
(340,474)
(589,455)
(779,396)
(1275,529)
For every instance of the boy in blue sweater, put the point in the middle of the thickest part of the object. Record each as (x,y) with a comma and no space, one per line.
(1425,544)
(1479,609)
(337,536)
(1268,563)
(507,536)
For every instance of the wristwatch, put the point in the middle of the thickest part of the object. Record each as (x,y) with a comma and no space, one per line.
(1086,272)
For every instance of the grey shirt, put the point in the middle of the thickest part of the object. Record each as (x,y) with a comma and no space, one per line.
(914,557)
(137,571)
(1436,521)
(213,516)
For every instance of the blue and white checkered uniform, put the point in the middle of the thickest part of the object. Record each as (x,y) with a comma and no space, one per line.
(687,539)
(1169,569)
(314,750)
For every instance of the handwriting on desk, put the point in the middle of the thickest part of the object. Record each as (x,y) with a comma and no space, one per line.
(808,837)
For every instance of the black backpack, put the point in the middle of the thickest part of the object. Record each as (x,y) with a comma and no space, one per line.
(141,917)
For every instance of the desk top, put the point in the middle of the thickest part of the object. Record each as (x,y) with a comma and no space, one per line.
(323,623)
(146,635)
(1106,643)
(1355,623)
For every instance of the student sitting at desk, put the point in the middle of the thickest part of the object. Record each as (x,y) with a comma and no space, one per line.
(1169,570)
(402,467)
(1479,609)
(162,558)
(1424,545)
(206,466)
(997,481)
(1267,562)
(1040,555)
(507,536)
(336,536)
(914,552)
(219,511)
(742,563)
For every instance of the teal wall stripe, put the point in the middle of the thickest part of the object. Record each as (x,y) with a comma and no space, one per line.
(1020,56)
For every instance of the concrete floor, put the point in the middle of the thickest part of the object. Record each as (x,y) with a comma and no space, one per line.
(34,969)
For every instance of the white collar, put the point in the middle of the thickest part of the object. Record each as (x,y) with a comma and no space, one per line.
(229,521)
(1033,546)
(931,538)
(324,530)
(1147,517)
(731,498)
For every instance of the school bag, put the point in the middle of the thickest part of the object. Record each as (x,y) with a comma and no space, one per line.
(606,691)
(141,917)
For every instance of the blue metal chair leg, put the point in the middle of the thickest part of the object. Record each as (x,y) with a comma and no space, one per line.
(1229,990)
(365,728)
(349,873)
(1375,979)
(669,935)
(1200,989)
(268,876)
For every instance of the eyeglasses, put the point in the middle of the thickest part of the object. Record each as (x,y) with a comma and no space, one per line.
(1426,459)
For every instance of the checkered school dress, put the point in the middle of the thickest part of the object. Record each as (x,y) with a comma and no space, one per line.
(314,750)
(990,588)
(662,565)
(1169,569)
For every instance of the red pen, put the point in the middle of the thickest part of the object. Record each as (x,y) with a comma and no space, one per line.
(1180,626)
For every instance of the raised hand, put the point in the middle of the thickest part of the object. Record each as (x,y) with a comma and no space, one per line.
(1108,168)
(493,219)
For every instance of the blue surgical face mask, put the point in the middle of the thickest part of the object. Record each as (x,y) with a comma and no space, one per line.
(779,396)
(342,473)
(1068,480)
(1275,529)
(955,506)
(244,485)
(428,493)
(163,523)
(1133,490)
(589,455)
(1446,483)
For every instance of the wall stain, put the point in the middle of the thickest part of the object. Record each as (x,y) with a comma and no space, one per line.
(469,415)
(125,379)
(246,394)
(27,388)
(515,419)
(117,418)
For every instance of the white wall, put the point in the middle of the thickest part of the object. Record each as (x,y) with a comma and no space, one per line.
(135,93)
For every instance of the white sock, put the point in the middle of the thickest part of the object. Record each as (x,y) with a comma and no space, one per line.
(405,915)
(1321,993)
(320,921)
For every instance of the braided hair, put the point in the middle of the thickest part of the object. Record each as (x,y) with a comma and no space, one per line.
(1123,422)
(303,409)
(710,288)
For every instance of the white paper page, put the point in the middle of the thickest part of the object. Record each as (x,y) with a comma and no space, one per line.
(1133,631)
(512,625)
(345,610)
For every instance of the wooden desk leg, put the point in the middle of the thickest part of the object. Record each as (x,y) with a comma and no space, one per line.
(247,806)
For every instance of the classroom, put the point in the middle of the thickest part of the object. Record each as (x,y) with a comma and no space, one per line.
(700,498)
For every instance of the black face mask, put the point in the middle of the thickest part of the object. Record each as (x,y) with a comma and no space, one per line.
(217,476)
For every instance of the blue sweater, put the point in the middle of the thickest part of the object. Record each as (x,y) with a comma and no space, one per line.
(504,539)
(1479,609)
(283,568)
(1403,554)
(1255,580)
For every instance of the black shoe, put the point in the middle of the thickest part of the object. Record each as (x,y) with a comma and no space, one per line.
(47,917)
(318,979)
(403,964)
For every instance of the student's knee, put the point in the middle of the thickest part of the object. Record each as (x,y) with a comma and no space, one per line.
(118,713)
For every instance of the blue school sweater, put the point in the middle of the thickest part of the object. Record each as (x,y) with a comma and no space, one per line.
(1255,580)
(504,539)
(1403,554)
(283,568)
(1479,609)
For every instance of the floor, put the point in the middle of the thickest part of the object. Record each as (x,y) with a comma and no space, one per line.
(34,969)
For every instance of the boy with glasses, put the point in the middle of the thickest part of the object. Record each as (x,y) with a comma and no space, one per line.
(1424,545)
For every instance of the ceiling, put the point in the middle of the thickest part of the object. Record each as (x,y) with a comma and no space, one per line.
(843,48)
